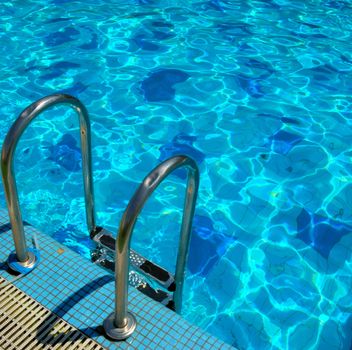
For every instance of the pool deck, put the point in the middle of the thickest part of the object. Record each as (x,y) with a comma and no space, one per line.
(82,294)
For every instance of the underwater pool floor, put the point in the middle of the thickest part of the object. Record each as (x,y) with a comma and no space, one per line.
(257,92)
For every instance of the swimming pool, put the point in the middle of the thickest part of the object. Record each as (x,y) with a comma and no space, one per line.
(256,92)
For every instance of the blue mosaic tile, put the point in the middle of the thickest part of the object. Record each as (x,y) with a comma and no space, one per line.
(82,294)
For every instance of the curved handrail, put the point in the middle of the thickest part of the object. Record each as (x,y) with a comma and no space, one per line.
(7,168)
(117,324)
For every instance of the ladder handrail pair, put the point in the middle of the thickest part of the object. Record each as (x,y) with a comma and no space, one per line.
(121,323)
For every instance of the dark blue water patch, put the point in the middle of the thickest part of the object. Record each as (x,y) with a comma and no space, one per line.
(250,85)
(339,5)
(267,115)
(347,327)
(234,29)
(66,153)
(310,25)
(159,85)
(308,36)
(181,144)
(64,65)
(51,75)
(76,89)
(328,78)
(282,142)
(345,58)
(216,5)
(150,34)
(56,20)
(57,69)
(207,246)
(29,93)
(320,232)
(92,44)
(140,14)
(327,87)
(246,49)
(260,298)
(271,4)
(161,24)
(266,67)
(325,69)
(230,192)
(31,66)
(288,120)
(143,42)
(58,38)
(163,35)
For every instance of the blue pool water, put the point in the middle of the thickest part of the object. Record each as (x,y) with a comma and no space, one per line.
(257,92)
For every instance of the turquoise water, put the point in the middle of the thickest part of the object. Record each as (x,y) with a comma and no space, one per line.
(257,92)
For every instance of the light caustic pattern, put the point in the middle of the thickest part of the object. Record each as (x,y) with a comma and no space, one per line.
(257,92)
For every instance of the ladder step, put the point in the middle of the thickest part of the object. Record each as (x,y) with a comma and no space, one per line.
(135,280)
(164,278)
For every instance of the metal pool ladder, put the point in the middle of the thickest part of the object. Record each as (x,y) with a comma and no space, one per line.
(120,324)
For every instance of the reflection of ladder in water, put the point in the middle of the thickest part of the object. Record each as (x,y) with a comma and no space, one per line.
(121,323)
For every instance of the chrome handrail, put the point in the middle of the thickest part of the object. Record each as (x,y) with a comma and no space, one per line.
(7,168)
(121,324)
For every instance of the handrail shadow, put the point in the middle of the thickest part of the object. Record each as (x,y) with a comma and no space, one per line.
(64,307)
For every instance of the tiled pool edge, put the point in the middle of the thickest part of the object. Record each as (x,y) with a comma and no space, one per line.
(82,294)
